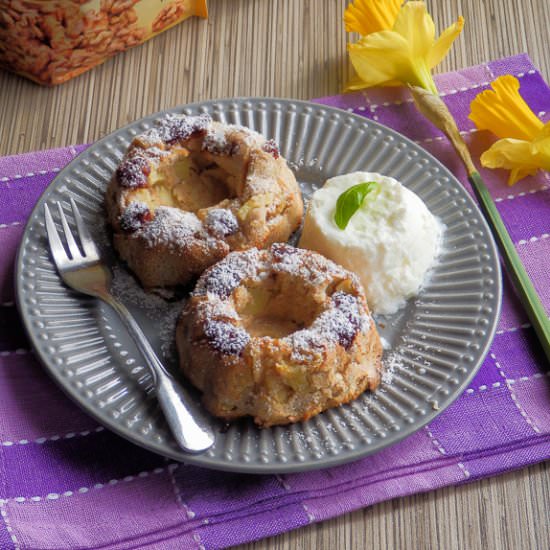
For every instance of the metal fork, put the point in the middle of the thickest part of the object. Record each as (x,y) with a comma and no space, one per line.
(83,270)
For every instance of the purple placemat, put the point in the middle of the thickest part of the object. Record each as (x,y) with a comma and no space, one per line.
(65,482)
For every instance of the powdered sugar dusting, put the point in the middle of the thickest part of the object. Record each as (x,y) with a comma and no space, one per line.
(151,138)
(155,153)
(225,337)
(132,172)
(174,128)
(271,147)
(349,318)
(170,227)
(220,140)
(218,309)
(215,141)
(260,184)
(391,362)
(216,137)
(135,215)
(221,222)
(301,263)
(224,277)
(337,325)
(251,137)
(180,128)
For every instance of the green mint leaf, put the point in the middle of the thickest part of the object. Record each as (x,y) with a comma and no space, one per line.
(351,200)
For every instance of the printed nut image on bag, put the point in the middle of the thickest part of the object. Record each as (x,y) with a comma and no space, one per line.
(51,42)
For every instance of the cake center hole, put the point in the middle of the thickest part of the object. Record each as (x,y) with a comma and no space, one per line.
(184,180)
(275,308)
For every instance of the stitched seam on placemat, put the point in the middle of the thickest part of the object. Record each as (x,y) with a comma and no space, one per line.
(443,138)
(542,237)
(10,224)
(287,488)
(371,107)
(523,194)
(526,378)
(513,329)
(450,92)
(9,529)
(31,174)
(18,351)
(513,395)
(493,76)
(485,387)
(440,448)
(188,512)
(55,437)
(97,486)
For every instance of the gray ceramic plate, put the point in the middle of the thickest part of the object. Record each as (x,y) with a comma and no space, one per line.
(437,342)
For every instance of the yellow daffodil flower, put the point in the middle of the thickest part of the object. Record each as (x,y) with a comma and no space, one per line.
(397,45)
(524,146)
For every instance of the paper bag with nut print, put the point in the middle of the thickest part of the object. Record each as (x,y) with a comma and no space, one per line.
(53,41)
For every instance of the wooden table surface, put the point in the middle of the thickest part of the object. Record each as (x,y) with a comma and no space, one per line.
(296,48)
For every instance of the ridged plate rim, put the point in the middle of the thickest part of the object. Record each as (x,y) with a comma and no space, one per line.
(272,466)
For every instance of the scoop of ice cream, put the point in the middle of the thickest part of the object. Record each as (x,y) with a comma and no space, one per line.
(390,242)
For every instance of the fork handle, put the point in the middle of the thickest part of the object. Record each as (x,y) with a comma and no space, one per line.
(190,428)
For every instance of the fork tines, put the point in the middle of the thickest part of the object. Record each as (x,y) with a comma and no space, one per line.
(87,247)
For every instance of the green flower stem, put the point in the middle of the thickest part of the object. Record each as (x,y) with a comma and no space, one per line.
(528,295)
(425,78)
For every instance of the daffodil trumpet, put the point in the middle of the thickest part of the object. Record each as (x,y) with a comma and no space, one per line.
(524,144)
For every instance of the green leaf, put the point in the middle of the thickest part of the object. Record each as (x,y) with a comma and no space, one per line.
(351,200)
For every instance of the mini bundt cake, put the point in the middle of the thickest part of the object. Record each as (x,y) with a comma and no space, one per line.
(278,334)
(190,190)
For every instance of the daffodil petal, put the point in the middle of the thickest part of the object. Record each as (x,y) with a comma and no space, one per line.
(512,154)
(504,112)
(416,26)
(380,57)
(356,84)
(519,173)
(383,58)
(541,149)
(507,153)
(544,133)
(443,44)
(368,16)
